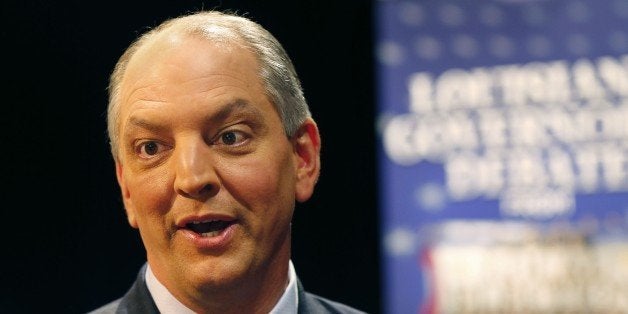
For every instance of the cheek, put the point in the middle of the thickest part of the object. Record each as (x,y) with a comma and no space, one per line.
(151,199)
(149,193)
(263,182)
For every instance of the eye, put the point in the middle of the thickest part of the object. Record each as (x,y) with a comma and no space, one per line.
(148,149)
(232,138)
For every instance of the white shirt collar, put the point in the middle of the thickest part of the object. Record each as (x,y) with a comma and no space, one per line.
(289,301)
(167,303)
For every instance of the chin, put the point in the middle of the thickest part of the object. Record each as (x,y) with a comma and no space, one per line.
(212,276)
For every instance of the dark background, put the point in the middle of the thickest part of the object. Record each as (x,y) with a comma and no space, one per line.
(66,245)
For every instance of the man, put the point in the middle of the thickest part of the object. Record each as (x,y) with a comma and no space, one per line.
(213,144)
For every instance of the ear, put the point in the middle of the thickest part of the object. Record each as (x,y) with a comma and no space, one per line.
(126,195)
(307,149)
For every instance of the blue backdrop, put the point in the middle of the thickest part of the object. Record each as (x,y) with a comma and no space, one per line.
(503,155)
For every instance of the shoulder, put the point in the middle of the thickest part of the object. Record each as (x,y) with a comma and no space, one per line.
(315,304)
(312,303)
(136,300)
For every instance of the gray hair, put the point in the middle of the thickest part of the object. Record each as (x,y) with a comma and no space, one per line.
(276,70)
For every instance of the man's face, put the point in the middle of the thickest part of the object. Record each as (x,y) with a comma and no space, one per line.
(206,171)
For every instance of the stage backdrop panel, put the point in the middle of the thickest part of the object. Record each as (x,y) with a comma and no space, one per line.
(503,155)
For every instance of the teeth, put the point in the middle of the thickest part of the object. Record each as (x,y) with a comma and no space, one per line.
(210,234)
(209,227)
(204,221)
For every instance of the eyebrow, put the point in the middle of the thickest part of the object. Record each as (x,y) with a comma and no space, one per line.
(233,108)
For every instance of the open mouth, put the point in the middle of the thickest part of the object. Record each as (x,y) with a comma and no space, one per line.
(208,228)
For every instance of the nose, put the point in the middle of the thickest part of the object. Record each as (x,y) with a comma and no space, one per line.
(195,176)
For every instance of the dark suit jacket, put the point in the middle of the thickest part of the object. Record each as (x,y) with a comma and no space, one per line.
(139,301)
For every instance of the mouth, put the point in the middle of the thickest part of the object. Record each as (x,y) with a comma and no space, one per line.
(208,228)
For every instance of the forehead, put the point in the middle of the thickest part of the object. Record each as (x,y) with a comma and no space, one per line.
(190,70)
(184,56)
(189,64)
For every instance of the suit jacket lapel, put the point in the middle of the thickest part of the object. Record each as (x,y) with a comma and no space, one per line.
(138,298)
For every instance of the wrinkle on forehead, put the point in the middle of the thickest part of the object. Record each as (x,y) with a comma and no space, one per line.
(237,106)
